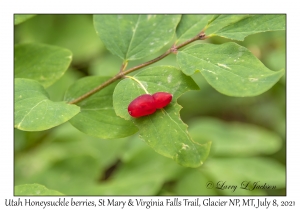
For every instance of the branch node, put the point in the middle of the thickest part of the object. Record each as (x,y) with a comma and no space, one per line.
(174,49)
(201,35)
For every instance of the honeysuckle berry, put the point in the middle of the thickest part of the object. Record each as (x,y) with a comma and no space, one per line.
(142,106)
(162,99)
(147,104)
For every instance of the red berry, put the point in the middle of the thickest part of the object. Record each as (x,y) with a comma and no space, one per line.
(142,106)
(162,99)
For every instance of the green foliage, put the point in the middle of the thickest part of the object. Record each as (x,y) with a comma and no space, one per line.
(44,63)
(156,154)
(245,25)
(97,116)
(34,189)
(190,25)
(21,18)
(230,172)
(230,68)
(135,36)
(175,144)
(235,139)
(33,109)
(152,80)
(222,21)
(73,32)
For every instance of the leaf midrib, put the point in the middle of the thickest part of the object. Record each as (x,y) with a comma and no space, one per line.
(131,40)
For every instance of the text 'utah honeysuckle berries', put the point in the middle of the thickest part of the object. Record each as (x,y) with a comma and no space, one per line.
(147,104)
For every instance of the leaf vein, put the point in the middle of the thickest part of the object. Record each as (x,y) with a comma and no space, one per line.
(19,125)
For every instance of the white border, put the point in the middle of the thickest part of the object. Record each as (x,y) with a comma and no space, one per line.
(8,8)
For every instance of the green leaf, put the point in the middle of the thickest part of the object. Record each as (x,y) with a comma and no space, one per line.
(191,25)
(234,139)
(221,21)
(97,116)
(33,109)
(163,131)
(230,68)
(34,189)
(21,18)
(243,27)
(74,32)
(132,37)
(44,63)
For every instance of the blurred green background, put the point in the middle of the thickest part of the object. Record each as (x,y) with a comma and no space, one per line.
(248,134)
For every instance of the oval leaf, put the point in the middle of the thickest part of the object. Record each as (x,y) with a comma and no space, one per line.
(250,25)
(163,131)
(97,116)
(191,25)
(34,111)
(230,68)
(133,37)
(34,189)
(235,139)
(44,63)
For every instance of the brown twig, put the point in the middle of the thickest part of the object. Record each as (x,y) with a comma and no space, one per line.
(122,73)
